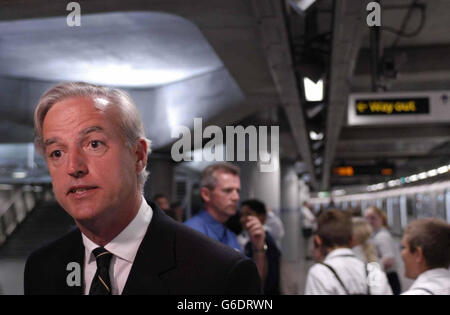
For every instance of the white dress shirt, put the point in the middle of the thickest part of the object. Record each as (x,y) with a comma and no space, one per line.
(352,272)
(385,246)
(275,227)
(123,247)
(433,281)
(308,218)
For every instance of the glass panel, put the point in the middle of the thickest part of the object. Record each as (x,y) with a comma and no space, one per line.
(440,205)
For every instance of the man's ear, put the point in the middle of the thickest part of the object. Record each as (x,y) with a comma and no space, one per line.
(317,240)
(352,241)
(418,254)
(141,154)
(205,193)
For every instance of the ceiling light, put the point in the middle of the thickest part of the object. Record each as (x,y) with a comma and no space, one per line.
(432,173)
(301,5)
(19,174)
(422,175)
(313,91)
(315,136)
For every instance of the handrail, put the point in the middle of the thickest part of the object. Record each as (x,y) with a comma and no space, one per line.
(11,201)
(17,216)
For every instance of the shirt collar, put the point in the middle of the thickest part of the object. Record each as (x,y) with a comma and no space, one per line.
(339,252)
(213,224)
(126,244)
(210,219)
(431,274)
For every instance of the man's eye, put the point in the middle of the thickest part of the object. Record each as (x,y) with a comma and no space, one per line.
(56,154)
(95,144)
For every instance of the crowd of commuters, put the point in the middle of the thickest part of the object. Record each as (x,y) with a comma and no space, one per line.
(356,254)
(354,251)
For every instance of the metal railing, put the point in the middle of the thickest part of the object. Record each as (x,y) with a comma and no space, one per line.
(17,202)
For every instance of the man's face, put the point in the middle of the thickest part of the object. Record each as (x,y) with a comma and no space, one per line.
(409,259)
(93,172)
(224,198)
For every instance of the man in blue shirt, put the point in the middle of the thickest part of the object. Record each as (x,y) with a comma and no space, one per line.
(220,187)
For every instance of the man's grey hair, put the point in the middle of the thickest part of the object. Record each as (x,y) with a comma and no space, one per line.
(209,178)
(104,98)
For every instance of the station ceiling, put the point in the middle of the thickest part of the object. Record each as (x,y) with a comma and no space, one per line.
(233,61)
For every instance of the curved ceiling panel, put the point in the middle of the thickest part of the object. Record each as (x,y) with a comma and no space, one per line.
(128,49)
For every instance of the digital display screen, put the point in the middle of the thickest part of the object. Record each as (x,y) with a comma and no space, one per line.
(392,106)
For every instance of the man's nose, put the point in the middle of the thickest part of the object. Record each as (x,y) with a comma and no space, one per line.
(76,164)
(236,196)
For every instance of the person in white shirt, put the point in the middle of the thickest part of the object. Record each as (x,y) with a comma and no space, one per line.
(309,225)
(385,246)
(340,272)
(274,226)
(426,254)
(362,246)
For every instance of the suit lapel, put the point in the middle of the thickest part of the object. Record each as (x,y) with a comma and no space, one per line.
(155,257)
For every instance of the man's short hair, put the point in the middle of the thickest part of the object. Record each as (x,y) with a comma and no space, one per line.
(334,228)
(209,178)
(433,236)
(128,117)
(255,205)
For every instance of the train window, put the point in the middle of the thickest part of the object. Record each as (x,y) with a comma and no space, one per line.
(396,216)
(403,211)
(427,205)
(379,203)
(440,205)
(447,205)
(411,210)
(423,205)
(364,205)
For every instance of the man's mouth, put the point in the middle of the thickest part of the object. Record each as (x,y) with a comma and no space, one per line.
(80,189)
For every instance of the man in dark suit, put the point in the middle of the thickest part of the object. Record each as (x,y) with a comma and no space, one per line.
(94,144)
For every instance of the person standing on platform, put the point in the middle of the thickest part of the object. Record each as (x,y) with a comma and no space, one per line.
(255,208)
(426,254)
(309,225)
(385,246)
(220,188)
(275,226)
(340,272)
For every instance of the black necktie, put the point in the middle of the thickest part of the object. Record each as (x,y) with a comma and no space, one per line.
(101,284)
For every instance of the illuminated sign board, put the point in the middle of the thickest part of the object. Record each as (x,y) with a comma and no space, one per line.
(349,171)
(393,108)
(400,106)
